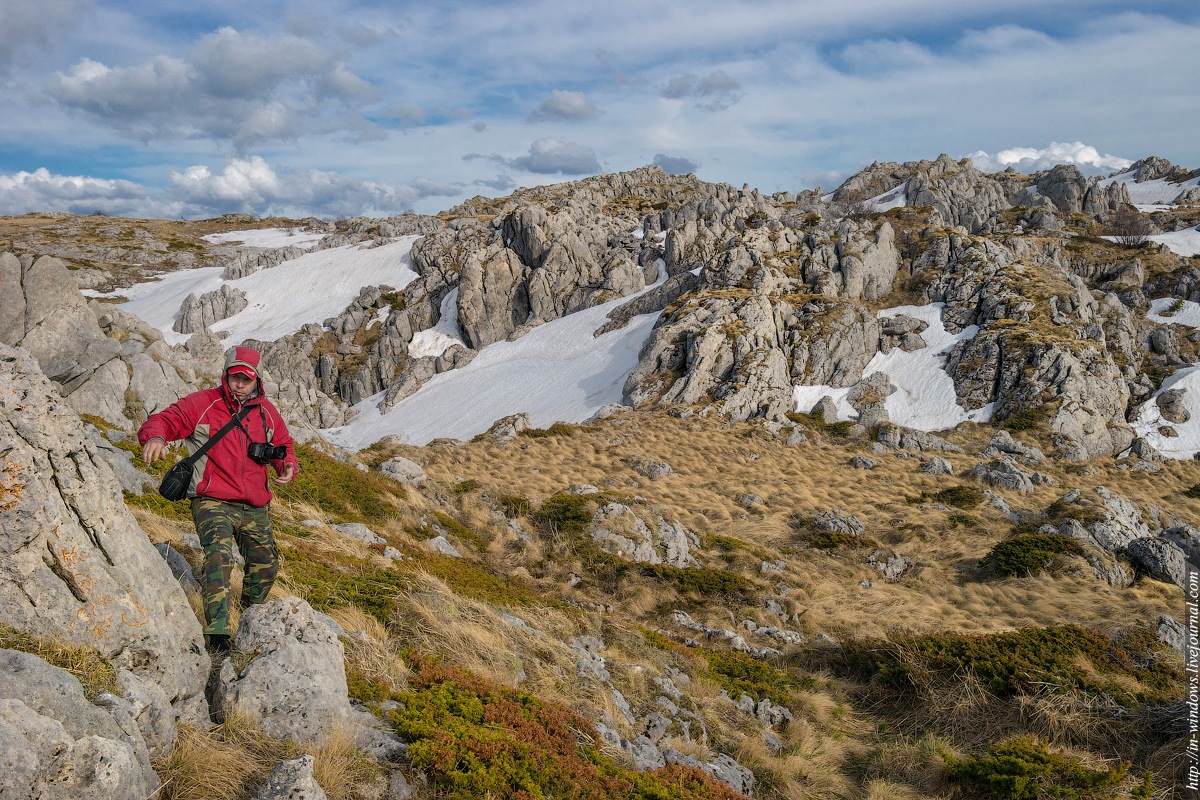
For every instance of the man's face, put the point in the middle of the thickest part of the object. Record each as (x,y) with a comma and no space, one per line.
(240,384)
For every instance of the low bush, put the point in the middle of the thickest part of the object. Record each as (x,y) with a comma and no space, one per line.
(557,429)
(1024,768)
(564,512)
(341,489)
(472,738)
(1129,668)
(1192,492)
(833,540)
(738,674)
(965,497)
(1024,420)
(464,487)
(514,505)
(1028,554)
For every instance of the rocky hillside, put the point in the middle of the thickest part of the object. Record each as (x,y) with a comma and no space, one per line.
(708,592)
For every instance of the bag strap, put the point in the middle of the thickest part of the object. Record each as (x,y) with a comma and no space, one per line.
(235,420)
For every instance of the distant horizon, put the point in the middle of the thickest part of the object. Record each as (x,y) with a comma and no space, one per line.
(1040,162)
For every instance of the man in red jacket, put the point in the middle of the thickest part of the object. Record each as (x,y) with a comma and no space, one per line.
(230,491)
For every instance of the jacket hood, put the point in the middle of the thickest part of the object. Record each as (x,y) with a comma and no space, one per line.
(244,357)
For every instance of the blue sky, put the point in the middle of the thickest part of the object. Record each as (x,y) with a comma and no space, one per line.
(338,108)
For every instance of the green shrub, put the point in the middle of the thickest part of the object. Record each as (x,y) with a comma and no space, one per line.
(1028,554)
(340,489)
(832,540)
(738,674)
(454,528)
(564,512)
(699,581)
(1192,492)
(150,500)
(1026,661)
(1025,769)
(514,505)
(965,497)
(1024,420)
(473,739)
(557,429)
(464,487)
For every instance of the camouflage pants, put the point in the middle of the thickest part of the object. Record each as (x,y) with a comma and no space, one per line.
(221,524)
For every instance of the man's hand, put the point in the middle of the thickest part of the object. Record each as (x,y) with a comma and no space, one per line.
(153,450)
(288,474)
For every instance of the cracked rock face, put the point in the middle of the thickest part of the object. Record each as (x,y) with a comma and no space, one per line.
(74,565)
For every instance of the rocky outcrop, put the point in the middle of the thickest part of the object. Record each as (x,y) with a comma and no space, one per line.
(199,313)
(45,314)
(294,684)
(620,531)
(76,566)
(54,743)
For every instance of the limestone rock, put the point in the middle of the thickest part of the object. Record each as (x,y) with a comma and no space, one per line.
(292,780)
(199,313)
(295,683)
(507,428)
(55,744)
(620,531)
(46,315)
(76,566)
(404,470)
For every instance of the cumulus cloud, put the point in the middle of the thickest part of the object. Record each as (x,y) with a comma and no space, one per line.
(27,25)
(548,157)
(561,105)
(41,190)
(1029,159)
(252,186)
(675,165)
(556,157)
(246,185)
(718,88)
(501,183)
(233,86)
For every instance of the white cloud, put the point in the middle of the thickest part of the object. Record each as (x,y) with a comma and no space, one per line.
(231,86)
(27,25)
(717,87)
(1030,159)
(675,165)
(42,191)
(556,157)
(561,105)
(252,186)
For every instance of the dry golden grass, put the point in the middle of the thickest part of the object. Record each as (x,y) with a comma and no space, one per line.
(471,634)
(234,759)
(371,650)
(228,763)
(713,463)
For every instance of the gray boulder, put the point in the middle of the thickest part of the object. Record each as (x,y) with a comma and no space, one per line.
(868,397)
(198,313)
(55,744)
(45,314)
(1161,559)
(292,780)
(403,469)
(74,565)
(294,686)
(1004,473)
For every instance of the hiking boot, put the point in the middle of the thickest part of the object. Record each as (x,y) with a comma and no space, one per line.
(218,644)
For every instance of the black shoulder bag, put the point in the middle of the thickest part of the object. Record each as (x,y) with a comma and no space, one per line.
(175,483)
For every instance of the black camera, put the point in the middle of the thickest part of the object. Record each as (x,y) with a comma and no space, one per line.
(265,452)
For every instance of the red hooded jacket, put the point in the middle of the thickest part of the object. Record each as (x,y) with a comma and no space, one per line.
(226,471)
